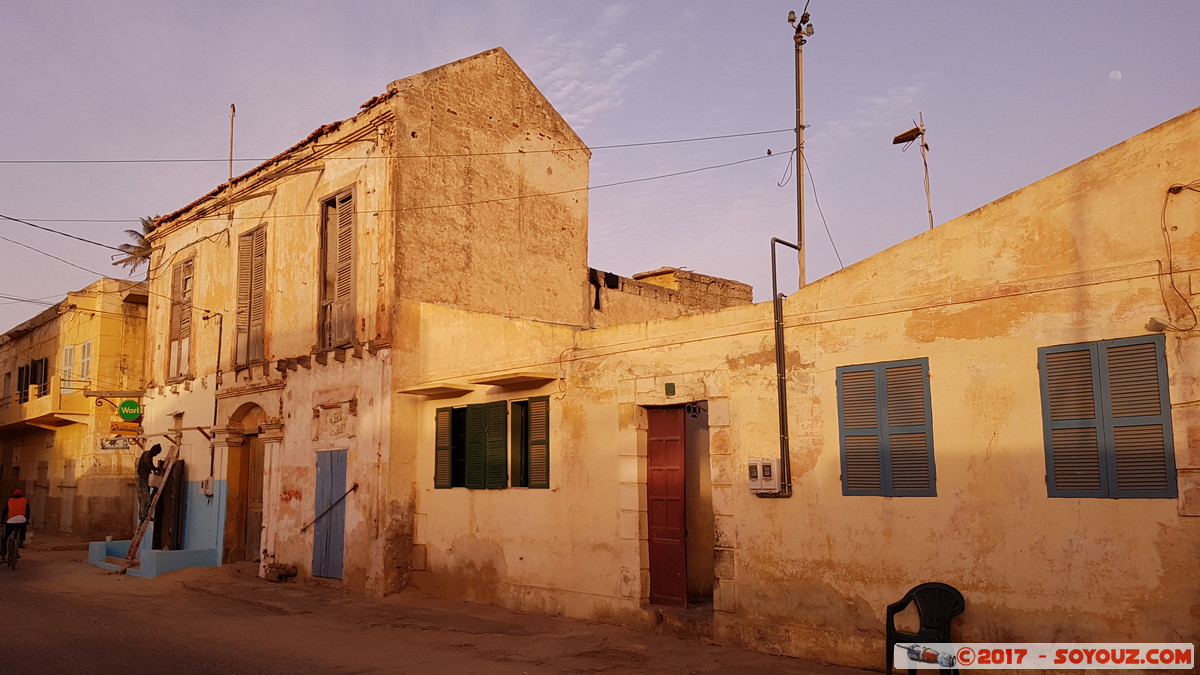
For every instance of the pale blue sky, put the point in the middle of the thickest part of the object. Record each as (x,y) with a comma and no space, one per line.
(1011,92)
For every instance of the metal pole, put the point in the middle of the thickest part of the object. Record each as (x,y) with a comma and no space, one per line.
(232,111)
(925,161)
(799,39)
(785,455)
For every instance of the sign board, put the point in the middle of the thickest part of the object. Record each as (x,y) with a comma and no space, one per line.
(129,410)
(126,428)
(114,444)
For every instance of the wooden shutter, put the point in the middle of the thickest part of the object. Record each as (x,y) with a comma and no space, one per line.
(22,384)
(244,281)
(858,410)
(539,442)
(343,285)
(180,330)
(476,446)
(886,429)
(909,432)
(1071,417)
(1139,404)
(442,449)
(85,361)
(496,439)
(257,310)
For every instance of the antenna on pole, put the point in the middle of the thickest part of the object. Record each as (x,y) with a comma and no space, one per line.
(907,138)
(232,112)
(803,29)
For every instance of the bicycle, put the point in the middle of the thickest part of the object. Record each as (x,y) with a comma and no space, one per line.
(11,544)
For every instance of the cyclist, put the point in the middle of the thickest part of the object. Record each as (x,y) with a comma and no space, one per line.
(16,518)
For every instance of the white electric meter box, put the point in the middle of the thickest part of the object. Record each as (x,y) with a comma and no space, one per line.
(755,467)
(768,471)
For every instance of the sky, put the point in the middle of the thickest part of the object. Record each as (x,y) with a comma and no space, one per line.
(1010,92)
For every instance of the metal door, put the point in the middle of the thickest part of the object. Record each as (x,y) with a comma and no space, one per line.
(254,498)
(329,530)
(666,507)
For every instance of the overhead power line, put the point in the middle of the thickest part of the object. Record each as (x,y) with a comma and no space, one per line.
(64,234)
(614,146)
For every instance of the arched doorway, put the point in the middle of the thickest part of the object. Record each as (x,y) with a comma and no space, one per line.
(245,473)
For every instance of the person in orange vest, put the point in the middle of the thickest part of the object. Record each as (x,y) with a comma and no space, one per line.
(16,517)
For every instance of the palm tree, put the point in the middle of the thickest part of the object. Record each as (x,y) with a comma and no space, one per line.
(137,250)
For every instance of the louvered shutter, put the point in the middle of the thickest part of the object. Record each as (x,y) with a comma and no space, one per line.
(257,309)
(476,468)
(244,281)
(1107,416)
(539,442)
(858,411)
(343,285)
(909,455)
(496,437)
(442,449)
(1071,416)
(173,330)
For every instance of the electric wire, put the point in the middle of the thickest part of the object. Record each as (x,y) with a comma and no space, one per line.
(1175,189)
(818,203)
(613,146)
(72,236)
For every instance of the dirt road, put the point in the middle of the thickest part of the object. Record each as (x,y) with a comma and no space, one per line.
(61,615)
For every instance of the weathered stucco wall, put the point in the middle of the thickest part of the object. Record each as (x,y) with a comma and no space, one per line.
(661,294)
(1073,258)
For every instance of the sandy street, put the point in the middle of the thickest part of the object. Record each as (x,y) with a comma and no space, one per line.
(61,615)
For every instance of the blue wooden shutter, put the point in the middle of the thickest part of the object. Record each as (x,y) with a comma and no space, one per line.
(908,453)
(858,415)
(538,439)
(442,449)
(1071,420)
(1141,460)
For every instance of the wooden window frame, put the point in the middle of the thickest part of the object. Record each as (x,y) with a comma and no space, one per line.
(471,446)
(66,382)
(39,375)
(530,447)
(882,410)
(337,309)
(250,334)
(179,335)
(23,379)
(1083,429)
(85,361)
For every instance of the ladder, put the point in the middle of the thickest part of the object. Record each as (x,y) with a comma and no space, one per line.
(140,533)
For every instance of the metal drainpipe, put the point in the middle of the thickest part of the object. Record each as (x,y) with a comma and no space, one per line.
(212,458)
(785,456)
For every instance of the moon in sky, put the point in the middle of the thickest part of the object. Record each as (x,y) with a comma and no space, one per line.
(1115,75)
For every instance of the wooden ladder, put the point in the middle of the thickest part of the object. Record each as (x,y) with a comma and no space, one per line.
(134,544)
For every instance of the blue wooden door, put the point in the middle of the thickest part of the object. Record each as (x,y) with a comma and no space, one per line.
(329,531)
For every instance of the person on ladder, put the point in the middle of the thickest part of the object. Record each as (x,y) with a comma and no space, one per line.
(145,467)
(16,517)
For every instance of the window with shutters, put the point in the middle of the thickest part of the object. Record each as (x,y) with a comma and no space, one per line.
(472,445)
(85,361)
(180,341)
(886,429)
(39,376)
(1106,417)
(530,454)
(336,320)
(251,311)
(66,370)
(22,384)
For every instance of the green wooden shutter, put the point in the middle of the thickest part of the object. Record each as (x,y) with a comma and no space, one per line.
(539,442)
(858,413)
(1071,421)
(496,440)
(442,449)
(476,446)
(1142,458)
(908,457)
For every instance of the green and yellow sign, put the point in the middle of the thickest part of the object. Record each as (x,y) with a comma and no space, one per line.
(129,410)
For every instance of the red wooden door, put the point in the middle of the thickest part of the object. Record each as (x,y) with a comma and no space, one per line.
(665,502)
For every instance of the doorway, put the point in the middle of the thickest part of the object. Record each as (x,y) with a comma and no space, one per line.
(679,505)
(245,478)
(329,531)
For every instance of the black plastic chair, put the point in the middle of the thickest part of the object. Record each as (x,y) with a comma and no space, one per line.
(937,605)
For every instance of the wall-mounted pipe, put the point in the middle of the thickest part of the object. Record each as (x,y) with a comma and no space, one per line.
(785,455)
